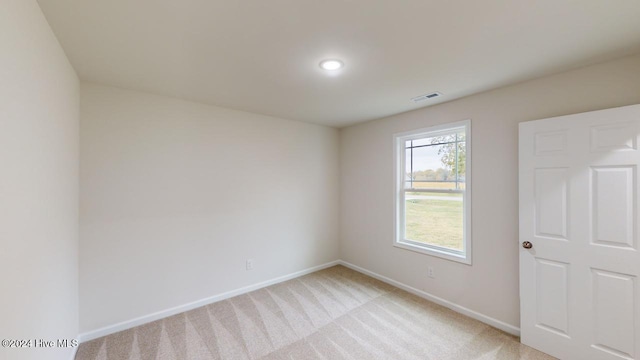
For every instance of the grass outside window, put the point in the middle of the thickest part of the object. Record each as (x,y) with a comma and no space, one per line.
(435,219)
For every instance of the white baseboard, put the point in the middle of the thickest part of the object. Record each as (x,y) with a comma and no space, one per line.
(440,301)
(107,330)
(73,352)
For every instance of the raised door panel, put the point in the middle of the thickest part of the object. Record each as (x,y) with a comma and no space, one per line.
(551,190)
(550,143)
(614,137)
(613,206)
(552,296)
(614,331)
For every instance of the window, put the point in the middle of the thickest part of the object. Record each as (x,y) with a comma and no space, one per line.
(433,192)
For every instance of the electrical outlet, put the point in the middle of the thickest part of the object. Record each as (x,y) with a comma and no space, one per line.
(430,272)
(249,264)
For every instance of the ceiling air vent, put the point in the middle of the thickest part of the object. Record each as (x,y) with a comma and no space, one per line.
(426,97)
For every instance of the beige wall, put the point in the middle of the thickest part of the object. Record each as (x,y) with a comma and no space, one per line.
(490,285)
(39,94)
(176,196)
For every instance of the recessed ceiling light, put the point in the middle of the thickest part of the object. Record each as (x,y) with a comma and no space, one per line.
(331,64)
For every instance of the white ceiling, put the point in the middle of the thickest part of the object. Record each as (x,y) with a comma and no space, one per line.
(262,56)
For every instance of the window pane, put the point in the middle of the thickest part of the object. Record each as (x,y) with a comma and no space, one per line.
(434,219)
(430,169)
(427,158)
(440,185)
(407,170)
(437,162)
(421,142)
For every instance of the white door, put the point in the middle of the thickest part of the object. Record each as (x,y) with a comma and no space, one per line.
(579,255)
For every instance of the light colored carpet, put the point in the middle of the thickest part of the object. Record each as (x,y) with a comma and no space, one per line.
(335,313)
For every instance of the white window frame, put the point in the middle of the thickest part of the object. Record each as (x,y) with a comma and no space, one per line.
(400,241)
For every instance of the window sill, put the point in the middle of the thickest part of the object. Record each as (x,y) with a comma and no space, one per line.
(432,251)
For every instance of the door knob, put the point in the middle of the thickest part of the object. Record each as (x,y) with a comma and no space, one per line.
(527,245)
